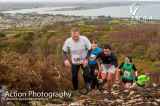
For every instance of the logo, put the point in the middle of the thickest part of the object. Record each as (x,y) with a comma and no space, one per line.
(134,9)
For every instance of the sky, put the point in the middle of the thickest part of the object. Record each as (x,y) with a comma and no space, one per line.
(40,0)
(67,0)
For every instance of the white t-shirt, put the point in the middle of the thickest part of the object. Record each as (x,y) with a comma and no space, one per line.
(78,49)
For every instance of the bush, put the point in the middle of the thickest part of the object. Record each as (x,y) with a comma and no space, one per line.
(153,52)
(23,43)
(2,34)
(139,52)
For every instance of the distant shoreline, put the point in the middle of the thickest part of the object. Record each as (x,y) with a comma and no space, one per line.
(81,9)
(62,15)
(7,6)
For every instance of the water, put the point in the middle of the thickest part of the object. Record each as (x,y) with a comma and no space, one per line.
(148,10)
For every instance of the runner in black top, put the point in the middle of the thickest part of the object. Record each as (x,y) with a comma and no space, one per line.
(108,64)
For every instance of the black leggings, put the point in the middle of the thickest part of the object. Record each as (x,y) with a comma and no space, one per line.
(75,70)
(93,78)
(127,81)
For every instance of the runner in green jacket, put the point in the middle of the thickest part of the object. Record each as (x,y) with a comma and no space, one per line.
(142,80)
(128,72)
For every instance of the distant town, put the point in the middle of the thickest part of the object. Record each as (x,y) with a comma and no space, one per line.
(39,20)
(33,20)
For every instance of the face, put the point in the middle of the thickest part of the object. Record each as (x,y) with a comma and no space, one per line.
(94,45)
(75,35)
(107,51)
(127,60)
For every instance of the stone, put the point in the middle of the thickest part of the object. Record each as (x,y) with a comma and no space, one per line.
(137,96)
(154,85)
(157,100)
(10,104)
(115,93)
(107,100)
(49,104)
(131,102)
(155,104)
(131,93)
(78,103)
(36,103)
(119,101)
(105,92)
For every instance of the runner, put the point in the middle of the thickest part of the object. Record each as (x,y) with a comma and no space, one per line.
(142,80)
(108,65)
(128,71)
(77,47)
(93,64)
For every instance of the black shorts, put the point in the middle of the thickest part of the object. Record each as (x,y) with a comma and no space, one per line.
(127,81)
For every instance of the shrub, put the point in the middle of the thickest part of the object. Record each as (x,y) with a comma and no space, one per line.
(23,43)
(153,52)
(2,34)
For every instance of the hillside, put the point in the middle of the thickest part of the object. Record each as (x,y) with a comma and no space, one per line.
(31,58)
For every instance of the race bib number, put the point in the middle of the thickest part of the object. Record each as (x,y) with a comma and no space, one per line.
(92,57)
(77,59)
(127,74)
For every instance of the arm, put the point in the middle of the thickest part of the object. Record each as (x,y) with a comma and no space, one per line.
(120,68)
(65,54)
(88,43)
(114,61)
(65,50)
(88,54)
(135,70)
(88,48)
(99,62)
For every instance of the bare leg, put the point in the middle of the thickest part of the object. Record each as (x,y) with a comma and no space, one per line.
(117,75)
(104,80)
(110,81)
(127,86)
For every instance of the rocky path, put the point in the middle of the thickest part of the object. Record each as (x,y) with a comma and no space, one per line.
(139,97)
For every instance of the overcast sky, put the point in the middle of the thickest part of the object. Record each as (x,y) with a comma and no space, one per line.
(66,0)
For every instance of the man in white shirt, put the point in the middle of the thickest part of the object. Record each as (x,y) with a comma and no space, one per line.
(77,47)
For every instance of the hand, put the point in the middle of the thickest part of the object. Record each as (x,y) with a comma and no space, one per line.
(136,78)
(117,69)
(101,67)
(110,65)
(85,62)
(67,63)
(121,73)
